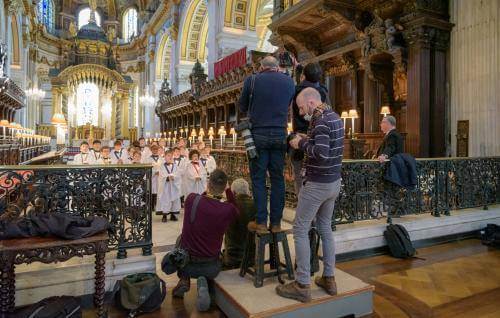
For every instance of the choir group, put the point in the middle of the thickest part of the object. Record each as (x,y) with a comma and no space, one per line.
(177,171)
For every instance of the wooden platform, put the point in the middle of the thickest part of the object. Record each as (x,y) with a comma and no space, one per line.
(238,298)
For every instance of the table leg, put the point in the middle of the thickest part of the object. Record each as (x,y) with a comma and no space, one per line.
(100,272)
(7,288)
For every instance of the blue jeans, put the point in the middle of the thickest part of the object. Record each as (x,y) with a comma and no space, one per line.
(271,148)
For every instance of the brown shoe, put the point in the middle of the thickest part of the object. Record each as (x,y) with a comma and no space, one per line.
(181,288)
(328,284)
(294,291)
(276,228)
(257,228)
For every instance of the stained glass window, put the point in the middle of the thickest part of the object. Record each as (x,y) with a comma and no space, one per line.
(129,24)
(87,99)
(84,18)
(46,14)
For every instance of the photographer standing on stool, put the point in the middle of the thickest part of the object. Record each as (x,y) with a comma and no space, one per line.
(266,98)
(323,147)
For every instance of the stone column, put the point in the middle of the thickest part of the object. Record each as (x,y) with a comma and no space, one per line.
(124,114)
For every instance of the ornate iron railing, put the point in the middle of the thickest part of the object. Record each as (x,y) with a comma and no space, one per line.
(121,193)
(444,184)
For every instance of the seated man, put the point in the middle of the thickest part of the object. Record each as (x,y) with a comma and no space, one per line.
(206,219)
(235,239)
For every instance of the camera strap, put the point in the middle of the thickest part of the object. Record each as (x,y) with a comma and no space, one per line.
(250,98)
(194,208)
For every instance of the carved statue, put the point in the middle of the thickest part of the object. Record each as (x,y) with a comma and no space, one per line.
(367,45)
(72,29)
(111,34)
(3,59)
(391,30)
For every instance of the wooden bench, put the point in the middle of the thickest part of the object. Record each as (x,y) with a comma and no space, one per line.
(49,250)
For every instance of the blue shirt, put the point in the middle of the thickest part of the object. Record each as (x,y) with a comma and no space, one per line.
(272,95)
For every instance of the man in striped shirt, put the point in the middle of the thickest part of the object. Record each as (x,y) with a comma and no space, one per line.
(323,146)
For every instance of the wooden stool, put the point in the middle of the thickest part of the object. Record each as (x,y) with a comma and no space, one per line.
(257,271)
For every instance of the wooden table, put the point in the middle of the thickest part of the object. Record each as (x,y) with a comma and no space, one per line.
(49,250)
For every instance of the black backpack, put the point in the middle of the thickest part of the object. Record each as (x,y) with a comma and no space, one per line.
(53,307)
(491,235)
(399,241)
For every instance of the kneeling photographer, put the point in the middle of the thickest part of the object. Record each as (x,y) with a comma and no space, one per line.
(197,252)
(265,98)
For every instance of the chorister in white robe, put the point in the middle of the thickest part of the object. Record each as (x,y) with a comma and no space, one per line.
(209,164)
(195,178)
(82,159)
(95,154)
(181,163)
(169,188)
(116,155)
(145,152)
(156,161)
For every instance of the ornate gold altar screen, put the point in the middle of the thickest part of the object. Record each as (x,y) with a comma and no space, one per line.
(113,88)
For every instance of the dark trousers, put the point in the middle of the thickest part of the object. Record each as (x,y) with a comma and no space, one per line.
(153,201)
(271,148)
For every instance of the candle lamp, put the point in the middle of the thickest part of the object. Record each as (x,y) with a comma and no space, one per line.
(385,110)
(353,114)
(193,136)
(233,133)
(344,116)
(289,128)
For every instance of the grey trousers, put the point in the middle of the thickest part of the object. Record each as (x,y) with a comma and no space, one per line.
(316,202)
(297,174)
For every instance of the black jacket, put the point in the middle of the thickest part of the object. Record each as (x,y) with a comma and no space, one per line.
(402,171)
(299,123)
(61,225)
(391,145)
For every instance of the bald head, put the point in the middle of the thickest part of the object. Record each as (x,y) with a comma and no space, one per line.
(307,100)
(269,62)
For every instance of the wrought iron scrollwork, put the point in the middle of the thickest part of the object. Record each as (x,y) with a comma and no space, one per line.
(119,193)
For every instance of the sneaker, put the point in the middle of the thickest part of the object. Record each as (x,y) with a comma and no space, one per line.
(164,218)
(257,228)
(173,217)
(203,299)
(294,291)
(181,288)
(276,228)
(328,284)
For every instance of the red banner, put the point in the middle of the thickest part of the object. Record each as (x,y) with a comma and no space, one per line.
(230,62)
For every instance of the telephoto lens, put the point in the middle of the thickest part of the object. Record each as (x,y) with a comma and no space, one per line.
(244,128)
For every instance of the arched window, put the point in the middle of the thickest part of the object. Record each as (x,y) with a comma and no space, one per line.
(84,18)
(46,13)
(87,104)
(129,24)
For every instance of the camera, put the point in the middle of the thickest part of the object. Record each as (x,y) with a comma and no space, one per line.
(244,128)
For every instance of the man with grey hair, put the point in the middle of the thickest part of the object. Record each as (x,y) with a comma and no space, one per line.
(323,147)
(235,239)
(393,141)
(265,98)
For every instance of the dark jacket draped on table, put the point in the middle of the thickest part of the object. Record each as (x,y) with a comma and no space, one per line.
(61,225)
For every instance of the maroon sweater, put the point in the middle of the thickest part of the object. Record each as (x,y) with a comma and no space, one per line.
(203,237)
